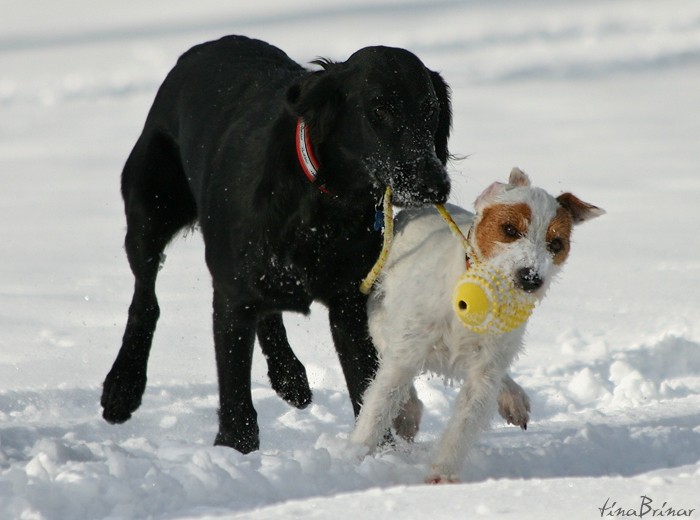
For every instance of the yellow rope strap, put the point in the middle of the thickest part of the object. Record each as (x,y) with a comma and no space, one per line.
(450,222)
(368,282)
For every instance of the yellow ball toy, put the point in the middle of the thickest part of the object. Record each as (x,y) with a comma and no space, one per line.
(487,302)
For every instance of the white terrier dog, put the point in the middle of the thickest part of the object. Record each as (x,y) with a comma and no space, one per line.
(519,232)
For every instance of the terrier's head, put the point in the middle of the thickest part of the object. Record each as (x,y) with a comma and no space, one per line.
(525,232)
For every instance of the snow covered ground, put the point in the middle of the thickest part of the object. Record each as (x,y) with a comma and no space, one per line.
(597,97)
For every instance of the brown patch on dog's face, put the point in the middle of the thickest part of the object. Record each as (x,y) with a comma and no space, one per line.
(559,235)
(501,224)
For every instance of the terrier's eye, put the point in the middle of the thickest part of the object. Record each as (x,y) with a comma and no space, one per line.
(511,231)
(555,245)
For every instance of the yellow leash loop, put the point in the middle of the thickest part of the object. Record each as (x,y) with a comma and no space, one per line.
(368,282)
(371,278)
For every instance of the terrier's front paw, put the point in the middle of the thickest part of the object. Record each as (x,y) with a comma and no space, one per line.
(514,404)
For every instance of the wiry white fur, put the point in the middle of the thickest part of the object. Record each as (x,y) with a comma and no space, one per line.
(415,329)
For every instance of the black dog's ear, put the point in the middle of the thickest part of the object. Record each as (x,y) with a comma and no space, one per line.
(442,90)
(317,99)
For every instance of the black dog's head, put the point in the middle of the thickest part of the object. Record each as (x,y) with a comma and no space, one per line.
(379,119)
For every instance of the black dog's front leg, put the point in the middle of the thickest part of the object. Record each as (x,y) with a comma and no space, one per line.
(287,374)
(358,357)
(234,337)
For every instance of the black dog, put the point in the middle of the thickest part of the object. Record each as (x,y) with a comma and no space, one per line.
(283,169)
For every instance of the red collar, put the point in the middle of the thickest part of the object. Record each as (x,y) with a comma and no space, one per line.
(305,154)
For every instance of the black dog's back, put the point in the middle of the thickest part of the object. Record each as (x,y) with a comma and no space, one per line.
(225,68)
(223,82)
(240,52)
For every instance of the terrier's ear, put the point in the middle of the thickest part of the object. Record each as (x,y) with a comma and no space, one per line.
(518,178)
(488,195)
(580,211)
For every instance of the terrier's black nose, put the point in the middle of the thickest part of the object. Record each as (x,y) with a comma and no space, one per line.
(529,280)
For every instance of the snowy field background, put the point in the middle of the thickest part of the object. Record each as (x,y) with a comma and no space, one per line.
(598,97)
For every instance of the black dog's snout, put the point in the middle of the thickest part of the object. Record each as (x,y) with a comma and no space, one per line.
(420,182)
(529,280)
(441,188)
(431,182)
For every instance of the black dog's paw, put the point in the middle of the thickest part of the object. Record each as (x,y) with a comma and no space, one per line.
(243,440)
(121,396)
(291,384)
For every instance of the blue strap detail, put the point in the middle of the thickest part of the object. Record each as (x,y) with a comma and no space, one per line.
(379,220)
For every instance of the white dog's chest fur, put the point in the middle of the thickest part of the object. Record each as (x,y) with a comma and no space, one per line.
(456,360)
